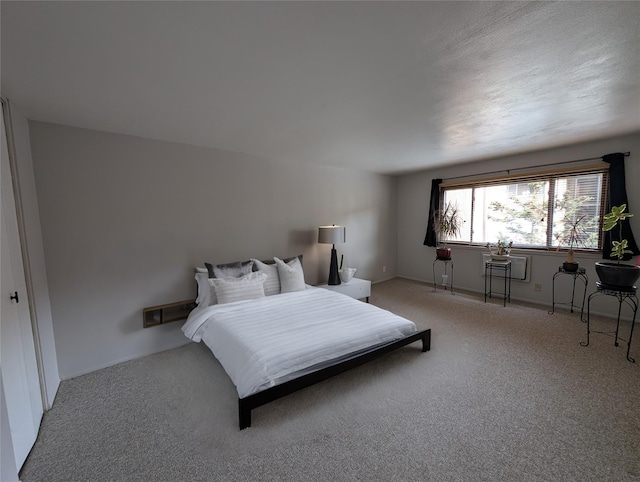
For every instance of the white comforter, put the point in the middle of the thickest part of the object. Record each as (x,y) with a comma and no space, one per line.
(264,342)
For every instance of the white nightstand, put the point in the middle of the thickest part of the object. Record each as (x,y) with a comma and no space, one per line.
(356,288)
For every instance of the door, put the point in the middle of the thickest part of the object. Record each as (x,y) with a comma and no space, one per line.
(17,349)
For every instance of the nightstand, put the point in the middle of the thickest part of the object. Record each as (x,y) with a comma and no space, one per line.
(356,288)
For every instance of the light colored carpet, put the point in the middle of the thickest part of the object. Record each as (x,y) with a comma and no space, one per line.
(504,394)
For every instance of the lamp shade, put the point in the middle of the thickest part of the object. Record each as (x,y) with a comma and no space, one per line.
(332,234)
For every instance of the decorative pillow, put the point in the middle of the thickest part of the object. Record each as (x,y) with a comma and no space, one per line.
(247,287)
(291,275)
(204,289)
(271,261)
(229,270)
(288,260)
(272,283)
(232,270)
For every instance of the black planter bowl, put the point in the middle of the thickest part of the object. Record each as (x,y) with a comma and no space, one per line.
(615,275)
(570,266)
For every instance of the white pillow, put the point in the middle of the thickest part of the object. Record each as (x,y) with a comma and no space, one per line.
(291,275)
(272,284)
(206,292)
(247,287)
(204,289)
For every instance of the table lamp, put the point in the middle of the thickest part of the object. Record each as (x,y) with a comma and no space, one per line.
(332,235)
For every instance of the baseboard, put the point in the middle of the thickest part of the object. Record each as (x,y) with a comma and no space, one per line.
(129,358)
(430,283)
(623,316)
(384,279)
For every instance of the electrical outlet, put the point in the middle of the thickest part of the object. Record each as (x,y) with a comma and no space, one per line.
(384,269)
(537,287)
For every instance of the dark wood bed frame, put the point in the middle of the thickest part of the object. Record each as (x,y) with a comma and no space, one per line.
(246,404)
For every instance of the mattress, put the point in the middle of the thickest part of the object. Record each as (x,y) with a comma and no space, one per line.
(264,342)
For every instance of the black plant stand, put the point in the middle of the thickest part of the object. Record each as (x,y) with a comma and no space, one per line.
(581,275)
(446,263)
(503,267)
(627,296)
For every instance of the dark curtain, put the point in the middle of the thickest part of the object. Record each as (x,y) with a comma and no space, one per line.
(617,196)
(431,238)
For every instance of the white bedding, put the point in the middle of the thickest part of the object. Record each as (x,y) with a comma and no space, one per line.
(266,341)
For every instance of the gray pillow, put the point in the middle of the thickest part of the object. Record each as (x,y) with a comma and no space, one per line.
(272,262)
(272,283)
(229,270)
(291,275)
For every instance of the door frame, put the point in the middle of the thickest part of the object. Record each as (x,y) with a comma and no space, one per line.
(6,113)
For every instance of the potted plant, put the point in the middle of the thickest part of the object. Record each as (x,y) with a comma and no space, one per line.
(501,250)
(617,276)
(572,238)
(447,226)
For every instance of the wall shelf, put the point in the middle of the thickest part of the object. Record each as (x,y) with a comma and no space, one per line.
(162,314)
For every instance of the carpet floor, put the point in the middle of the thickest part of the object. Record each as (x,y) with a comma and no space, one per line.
(505,394)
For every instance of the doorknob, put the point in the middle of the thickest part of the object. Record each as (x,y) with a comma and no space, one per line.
(14,296)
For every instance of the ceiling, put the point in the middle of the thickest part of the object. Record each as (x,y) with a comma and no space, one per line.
(388,87)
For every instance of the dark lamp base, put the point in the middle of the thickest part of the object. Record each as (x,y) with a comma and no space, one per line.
(334,277)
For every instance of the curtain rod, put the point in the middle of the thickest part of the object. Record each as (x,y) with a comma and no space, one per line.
(508,171)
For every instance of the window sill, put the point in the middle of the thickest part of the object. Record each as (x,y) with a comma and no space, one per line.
(532,252)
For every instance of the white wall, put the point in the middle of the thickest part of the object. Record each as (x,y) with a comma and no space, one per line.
(125,220)
(415,260)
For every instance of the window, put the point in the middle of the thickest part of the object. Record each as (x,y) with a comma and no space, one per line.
(532,211)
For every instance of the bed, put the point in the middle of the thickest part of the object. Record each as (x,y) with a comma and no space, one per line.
(271,346)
